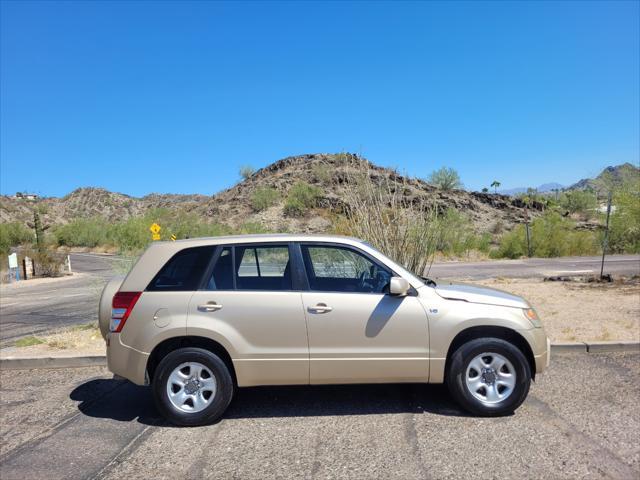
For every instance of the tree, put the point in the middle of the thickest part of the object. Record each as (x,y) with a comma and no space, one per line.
(246,171)
(485,190)
(445,178)
(495,185)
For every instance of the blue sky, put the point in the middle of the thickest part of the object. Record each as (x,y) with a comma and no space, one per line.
(142,97)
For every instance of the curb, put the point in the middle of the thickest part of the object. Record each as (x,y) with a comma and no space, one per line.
(614,346)
(569,347)
(14,363)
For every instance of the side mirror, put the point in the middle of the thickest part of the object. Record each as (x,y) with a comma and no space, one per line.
(399,286)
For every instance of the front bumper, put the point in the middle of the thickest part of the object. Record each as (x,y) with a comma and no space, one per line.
(125,361)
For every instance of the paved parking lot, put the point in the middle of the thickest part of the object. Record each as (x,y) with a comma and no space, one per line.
(582,420)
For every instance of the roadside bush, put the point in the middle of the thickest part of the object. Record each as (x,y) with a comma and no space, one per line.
(551,236)
(379,213)
(301,197)
(263,198)
(85,232)
(13,234)
(457,235)
(624,232)
(579,201)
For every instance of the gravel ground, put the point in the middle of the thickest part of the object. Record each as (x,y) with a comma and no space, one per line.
(581,420)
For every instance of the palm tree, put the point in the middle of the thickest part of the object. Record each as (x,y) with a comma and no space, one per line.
(495,185)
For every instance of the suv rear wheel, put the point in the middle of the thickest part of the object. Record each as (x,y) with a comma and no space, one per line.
(192,386)
(489,377)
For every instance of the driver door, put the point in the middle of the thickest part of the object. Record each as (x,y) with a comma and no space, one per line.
(357,332)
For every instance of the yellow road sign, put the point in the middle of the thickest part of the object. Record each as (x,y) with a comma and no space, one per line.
(155,229)
(155,236)
(173,237)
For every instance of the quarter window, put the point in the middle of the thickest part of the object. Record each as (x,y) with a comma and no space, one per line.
(184,271)
(340,269)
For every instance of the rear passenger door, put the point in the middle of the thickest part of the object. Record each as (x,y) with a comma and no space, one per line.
(249,304)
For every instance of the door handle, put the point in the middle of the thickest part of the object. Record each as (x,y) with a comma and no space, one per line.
(320,308)
(209,307)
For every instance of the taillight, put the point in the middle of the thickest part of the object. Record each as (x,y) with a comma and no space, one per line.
(121,306)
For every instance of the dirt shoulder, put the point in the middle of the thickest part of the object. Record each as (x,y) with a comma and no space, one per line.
(574,311)
(78,340)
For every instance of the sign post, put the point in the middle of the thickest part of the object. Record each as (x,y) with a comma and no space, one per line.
(606,236)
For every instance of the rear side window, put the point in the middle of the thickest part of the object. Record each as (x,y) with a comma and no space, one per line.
(184,271)
(263,268)
(254,267)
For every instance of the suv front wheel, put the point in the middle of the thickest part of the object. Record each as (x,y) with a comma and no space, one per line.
(489,377)
(192,386)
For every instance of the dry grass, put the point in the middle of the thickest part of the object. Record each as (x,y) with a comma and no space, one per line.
(80,339)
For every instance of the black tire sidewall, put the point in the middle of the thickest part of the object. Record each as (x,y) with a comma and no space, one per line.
(458,367)
(224,386)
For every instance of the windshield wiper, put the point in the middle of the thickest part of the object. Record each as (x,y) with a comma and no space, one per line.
(429,282)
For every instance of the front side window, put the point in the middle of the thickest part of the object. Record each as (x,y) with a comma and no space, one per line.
(184,271)
(342,269)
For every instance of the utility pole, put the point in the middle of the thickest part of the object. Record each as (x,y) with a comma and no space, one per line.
(606,235)
(526,227)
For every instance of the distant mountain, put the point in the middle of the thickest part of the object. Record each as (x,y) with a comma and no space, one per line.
(610,176)
(544,188)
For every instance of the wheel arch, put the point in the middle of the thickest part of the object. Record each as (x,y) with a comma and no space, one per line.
(171,344)
(485,331)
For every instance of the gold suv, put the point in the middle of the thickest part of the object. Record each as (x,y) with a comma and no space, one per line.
(197,318)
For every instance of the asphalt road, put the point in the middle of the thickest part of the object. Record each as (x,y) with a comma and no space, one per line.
(581,420)
(536,267)
(34,309)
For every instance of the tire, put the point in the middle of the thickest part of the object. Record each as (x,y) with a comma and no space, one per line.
(498,389)
(192,386)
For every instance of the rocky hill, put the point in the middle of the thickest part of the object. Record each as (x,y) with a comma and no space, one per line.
(610,177)
(328,172)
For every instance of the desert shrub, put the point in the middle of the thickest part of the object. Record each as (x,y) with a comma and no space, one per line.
(13,234)
(263,198)
(457,235)
(246,171)
(624,225)
(84,232)
(579,201)
(445,179)
(551,236)
(300,198)
(379,213)
(320,172)
(251,227)
(47,262)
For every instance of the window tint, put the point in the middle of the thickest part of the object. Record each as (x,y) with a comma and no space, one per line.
(184,271)
(338,269)
(263,268)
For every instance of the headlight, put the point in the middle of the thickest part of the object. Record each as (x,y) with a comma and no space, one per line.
(531,314)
